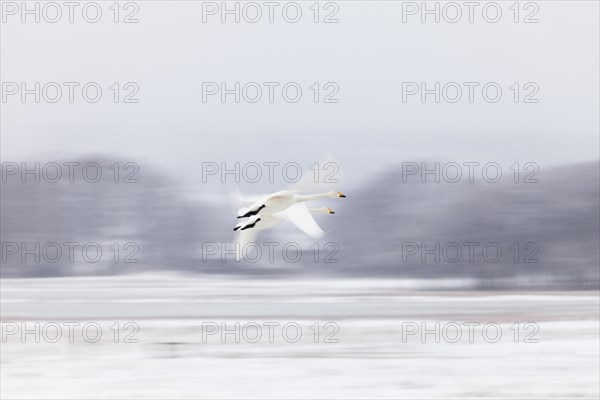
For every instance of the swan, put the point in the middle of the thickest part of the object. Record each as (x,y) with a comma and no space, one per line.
(269,221)
(298,214)
(280,201)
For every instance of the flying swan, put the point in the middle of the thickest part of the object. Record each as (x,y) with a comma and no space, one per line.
(298,214)
(280,201)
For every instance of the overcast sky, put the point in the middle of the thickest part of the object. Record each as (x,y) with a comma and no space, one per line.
(368,54)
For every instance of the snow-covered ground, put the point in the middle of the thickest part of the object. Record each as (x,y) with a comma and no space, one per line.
(169,336)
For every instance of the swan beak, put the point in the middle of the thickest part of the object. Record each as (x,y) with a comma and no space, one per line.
(341,194)
(331,211)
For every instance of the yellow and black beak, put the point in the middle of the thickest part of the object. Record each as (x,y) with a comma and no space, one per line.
(341,194)
(331,211)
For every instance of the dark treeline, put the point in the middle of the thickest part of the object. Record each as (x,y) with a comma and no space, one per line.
(548,231)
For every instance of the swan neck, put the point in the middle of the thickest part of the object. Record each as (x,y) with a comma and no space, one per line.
(309,197)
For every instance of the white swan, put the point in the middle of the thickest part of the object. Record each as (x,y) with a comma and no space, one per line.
(292,214)
(298,214)
(280,201)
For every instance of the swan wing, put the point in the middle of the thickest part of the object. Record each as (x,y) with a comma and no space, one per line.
(299,215)
(251,210)
(270,200)
(245,198)
(243,238)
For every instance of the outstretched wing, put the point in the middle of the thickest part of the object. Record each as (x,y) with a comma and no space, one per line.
(299,215)
(243,238)
(273,199)
(247,199)
(251,210)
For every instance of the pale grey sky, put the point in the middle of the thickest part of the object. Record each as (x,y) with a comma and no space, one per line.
(368,54)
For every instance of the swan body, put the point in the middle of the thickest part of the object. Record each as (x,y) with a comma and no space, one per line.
(298,214)
(262,222)
(280,201)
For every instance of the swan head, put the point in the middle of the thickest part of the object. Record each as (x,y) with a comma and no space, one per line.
(340,194)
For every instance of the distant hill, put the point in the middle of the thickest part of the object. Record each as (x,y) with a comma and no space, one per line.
(560,215)
(555,222)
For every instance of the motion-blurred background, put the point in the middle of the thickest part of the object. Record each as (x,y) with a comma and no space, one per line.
(548,228)
(373,229)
